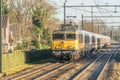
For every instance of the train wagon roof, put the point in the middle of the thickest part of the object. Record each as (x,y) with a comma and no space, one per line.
(80,32)
(92,34)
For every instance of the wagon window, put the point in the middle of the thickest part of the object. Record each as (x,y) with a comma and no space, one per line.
(81,38)
(98,41)
(87,39)
(93,39)
(58,36)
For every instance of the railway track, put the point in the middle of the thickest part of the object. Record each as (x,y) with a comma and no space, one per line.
(103,68)
(55,72)
(95,68)
(27,71)
(98,72)
(103,73)
(37,72)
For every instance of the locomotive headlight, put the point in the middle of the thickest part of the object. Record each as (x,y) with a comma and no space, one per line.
(58,47)
(70,47)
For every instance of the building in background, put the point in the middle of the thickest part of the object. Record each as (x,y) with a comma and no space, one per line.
(15,31)
(11,34)
(5,33)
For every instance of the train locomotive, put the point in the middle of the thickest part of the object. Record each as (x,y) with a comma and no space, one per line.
(71,44)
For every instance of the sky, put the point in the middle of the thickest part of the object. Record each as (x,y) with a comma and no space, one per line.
(87,11)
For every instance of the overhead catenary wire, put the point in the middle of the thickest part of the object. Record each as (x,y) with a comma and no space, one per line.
(101,10)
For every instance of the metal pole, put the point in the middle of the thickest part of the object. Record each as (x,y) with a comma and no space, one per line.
(0,36)
(92,17)
(98,29)
(111,32)
(103,32)
(65,13)
(82,22)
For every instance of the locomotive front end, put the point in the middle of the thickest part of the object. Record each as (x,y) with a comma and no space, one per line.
(64,44)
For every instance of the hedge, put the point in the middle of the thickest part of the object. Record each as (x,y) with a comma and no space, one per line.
(17,59)
(32,56)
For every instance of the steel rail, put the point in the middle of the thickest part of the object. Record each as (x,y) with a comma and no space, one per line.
(52,72)
(81,71)
(30,73)
(100,75)
(27,70)
(97,72)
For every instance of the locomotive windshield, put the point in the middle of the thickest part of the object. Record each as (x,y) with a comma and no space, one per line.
(58,36)
(70,36)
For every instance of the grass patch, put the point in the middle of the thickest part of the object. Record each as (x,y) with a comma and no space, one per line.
(10,61)
(26,66)
(15,62)
(118,72)
(17,68)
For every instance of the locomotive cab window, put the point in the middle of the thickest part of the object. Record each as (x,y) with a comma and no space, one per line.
(70,36)
(58,36)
